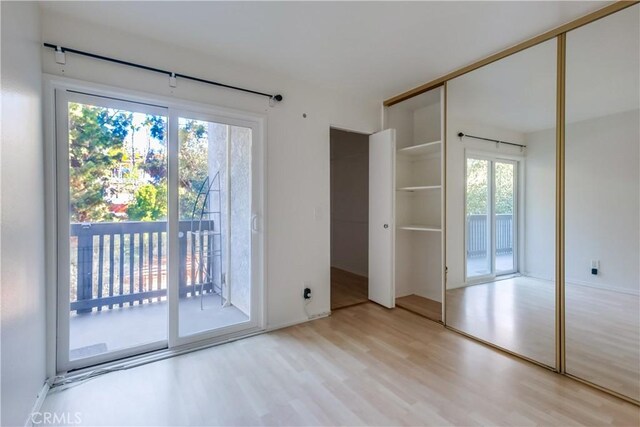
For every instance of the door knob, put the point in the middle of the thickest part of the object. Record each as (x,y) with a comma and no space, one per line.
(386,226)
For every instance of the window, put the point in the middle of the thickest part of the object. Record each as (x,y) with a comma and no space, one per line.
(491,217)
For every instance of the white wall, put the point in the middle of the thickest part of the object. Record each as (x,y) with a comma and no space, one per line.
(603,201)
(540,205)
(22,233)
(297,154)
(350,201)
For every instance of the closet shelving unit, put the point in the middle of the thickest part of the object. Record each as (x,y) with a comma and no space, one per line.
(419,201)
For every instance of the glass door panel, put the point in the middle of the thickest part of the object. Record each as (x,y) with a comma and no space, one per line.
(478,218)
(215,226)
(113,211)
(504,179)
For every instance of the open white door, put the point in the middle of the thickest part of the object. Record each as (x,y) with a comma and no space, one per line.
(381,221)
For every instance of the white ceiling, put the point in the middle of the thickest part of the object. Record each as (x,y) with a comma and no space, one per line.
(519,92)
(376,49)
(516,93)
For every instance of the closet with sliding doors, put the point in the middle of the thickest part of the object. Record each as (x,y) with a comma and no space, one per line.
(542,155)
(406,202)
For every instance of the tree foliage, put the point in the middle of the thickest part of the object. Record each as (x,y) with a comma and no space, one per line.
(149,204)
(193,139)
(105,165)
(96,137)
(478,190)
(120,157)
(504,188)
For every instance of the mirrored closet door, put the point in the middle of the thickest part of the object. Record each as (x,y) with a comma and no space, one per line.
(500,208)
(602,174)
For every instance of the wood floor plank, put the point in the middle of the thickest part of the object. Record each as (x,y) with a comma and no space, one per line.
(602,327)
(422,306)
(347,288)
(364,365)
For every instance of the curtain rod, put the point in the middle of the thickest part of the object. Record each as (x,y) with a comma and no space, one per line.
(461,135)
(63,49)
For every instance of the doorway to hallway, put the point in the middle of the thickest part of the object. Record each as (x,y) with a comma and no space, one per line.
(349,154)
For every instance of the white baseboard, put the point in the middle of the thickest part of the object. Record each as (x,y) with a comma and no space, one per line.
(42,395)
(571,282)
(283,325)
(536,276)
(603,287)
(577,282)
(348,269)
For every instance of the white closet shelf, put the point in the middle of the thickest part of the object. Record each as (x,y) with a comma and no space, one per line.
(421,149)
(420,188)
(420,227)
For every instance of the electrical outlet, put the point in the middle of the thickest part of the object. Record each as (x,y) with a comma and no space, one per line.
(306,294)
(595,267)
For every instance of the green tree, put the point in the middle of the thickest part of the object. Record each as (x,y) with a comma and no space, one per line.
(116,155)
(96,137)
(477,196)
(477,187)
(194,146)
(149,204)
(504,188)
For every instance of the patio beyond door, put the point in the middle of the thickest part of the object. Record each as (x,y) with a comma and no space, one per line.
(215,236)
(158,225)
(491,217)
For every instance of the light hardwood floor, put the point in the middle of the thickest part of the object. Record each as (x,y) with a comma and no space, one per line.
(420,305)
(364,365)
(602,327)
(517,314)
(347,288)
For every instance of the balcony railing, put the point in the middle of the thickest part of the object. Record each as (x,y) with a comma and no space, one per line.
(125,263)
(477,243)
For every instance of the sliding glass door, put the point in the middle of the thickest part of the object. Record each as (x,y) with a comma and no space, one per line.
(491,217)
(112,227)
(133,230)
(215,232)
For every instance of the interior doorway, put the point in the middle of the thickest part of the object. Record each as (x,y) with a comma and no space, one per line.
(349,154)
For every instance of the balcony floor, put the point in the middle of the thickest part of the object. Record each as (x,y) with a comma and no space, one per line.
(477,266)
(123,327)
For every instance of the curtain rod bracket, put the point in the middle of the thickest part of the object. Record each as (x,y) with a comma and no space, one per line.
(172,80)
(60,56)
